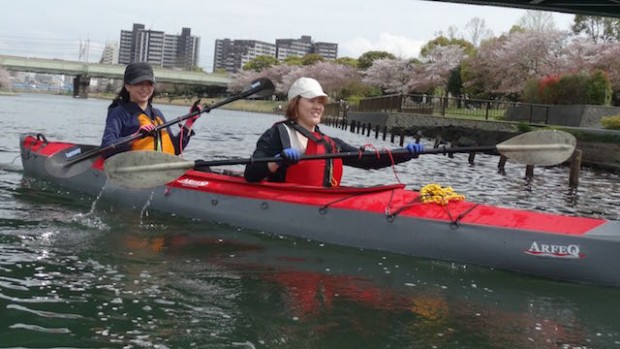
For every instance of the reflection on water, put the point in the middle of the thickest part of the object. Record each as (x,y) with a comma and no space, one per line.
(78,274)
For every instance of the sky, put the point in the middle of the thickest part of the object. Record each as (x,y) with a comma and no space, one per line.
(64,28)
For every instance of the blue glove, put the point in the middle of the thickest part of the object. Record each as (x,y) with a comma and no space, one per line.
(290,156)
(415,148)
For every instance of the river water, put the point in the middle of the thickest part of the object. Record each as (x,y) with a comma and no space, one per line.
(74,275)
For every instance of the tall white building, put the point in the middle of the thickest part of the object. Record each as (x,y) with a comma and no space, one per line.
(232,55)
(158,48)
(110,53)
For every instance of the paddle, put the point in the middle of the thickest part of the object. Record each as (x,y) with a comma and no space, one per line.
(63,164)
(147,169)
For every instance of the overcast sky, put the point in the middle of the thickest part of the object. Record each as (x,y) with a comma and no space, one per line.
(55,29)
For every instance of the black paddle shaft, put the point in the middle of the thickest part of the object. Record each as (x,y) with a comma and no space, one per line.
(198,164)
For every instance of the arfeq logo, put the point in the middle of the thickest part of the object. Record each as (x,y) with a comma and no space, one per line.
(192,183)
(554,251)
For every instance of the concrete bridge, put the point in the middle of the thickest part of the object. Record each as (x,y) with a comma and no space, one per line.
(84,71)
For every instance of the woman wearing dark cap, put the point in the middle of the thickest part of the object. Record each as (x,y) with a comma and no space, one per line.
(132,111)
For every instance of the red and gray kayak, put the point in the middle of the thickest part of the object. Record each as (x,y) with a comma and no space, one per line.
(389,218)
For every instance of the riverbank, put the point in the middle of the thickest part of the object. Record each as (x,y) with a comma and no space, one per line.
(247,105)
(600,148)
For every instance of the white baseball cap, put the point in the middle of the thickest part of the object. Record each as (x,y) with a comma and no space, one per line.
(307,88)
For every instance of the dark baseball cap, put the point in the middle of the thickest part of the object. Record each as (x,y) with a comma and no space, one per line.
(138,72)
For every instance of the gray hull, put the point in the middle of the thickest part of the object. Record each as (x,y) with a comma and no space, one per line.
(588,256)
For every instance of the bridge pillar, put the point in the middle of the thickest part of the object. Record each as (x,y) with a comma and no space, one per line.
(80,86)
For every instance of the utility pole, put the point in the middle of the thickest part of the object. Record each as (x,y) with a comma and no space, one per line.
(84,50)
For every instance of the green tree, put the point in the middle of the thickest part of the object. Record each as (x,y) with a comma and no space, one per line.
(293,61)
(598,91)
(599,29)
(260,63)
(311,58)
(444,41)
(455,83)
(351,62)
(366,59)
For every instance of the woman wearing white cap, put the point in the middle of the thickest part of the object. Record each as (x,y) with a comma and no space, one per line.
(132,111)
(300,134)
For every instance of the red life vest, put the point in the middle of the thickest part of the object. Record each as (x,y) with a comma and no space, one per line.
(320,172)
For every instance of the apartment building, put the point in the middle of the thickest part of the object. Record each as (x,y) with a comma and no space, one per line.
(158,48)
(231,55)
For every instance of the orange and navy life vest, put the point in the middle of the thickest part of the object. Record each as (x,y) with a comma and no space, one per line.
(319,172)
(160,140)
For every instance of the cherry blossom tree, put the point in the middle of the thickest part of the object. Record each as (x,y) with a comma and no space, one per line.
(441,60)
(241,80)
(276,74)
(332,76)
(585,55)
(476,69)
(507,63)
(5,80)
(391,75)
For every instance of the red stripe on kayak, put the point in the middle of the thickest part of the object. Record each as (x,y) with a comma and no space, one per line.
(517,219)
(43,148)
(376,199)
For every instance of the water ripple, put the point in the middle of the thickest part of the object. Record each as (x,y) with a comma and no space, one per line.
(40,329)
(45,314)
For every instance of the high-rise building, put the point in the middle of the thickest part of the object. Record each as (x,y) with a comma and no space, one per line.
(327,50)
(158,48)
(293,47)
(110,53)
(231,55)
(188,49)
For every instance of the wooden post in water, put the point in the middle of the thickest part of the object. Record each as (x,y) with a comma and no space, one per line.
(352,126)
(529,171)
(377,132)
(575,168)
(363,128)
(392,136)
(471,158)
(368,130)
(402,138)
(384,132)
(501,164)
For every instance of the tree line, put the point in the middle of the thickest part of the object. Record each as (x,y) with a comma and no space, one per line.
(532,56)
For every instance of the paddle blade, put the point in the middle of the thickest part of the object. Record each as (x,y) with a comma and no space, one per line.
(144,169)
(541,148)
(263,87)
(58,165)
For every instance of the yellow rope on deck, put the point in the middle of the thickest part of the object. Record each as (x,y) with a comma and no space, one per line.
(442,196)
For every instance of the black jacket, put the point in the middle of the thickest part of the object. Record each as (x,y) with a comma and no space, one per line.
(270,144)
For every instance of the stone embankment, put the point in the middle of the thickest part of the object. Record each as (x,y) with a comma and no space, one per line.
(600,148)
